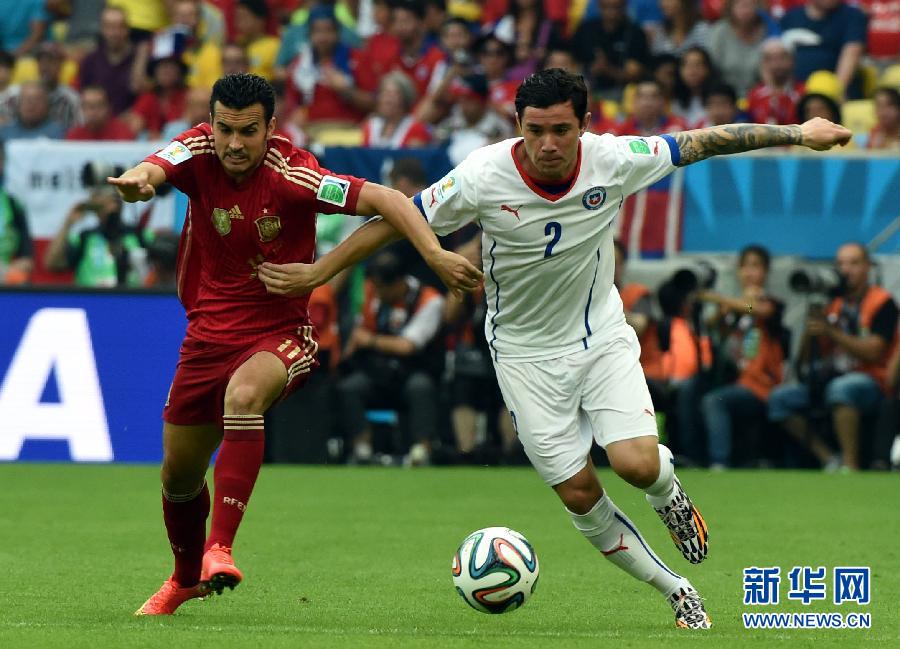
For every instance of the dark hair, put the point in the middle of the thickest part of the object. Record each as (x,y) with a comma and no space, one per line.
(456,20)
(242,90)
(682,92)
(7,60)
(892,94)
(415,7)
(550,87)
(409,168)
(719,89)
(385,268)
(759,251)
(258,8)
(833,106)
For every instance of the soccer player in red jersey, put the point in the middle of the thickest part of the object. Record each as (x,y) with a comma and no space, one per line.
(253,199)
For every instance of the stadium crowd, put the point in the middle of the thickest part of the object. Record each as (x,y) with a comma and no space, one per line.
(414,73)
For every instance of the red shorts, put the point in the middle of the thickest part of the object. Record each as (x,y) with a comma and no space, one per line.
(197,393)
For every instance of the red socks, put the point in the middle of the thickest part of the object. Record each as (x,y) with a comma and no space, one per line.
(237,466)
(185,518)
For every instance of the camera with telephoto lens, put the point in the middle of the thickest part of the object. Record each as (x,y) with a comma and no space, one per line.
(817,281)
(702,275)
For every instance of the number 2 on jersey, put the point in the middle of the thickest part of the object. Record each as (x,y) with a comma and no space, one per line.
(555,229)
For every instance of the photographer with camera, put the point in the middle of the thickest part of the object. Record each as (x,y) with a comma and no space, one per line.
(844,356)
(750,345)
(391,359)
(107,255)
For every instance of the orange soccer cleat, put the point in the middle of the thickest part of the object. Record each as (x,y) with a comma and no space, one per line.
(168,598)
(219,570)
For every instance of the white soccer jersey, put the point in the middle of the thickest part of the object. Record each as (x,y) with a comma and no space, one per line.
(548,261)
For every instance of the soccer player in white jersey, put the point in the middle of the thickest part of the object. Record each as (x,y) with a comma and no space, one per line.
(566,361)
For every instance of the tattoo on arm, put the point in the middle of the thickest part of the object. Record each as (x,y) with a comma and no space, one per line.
(732,138)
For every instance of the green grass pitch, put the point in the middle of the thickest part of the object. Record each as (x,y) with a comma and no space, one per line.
(342,557)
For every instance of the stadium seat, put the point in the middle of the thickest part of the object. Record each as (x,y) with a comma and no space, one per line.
(337,135)
(891,77)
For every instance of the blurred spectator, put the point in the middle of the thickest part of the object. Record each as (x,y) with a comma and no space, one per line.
(676,356)
(649,112)
(818,105)
(16,248)
(250,18)
(7,90)
(734,44)
(827,35)
(680,29)
(111,65)
(455,42)
(885,135)
(144,16)
(391,125)
(162,255)
(196,111)
(99,123)
(494,58)
(435,17)
(474,386)
(720,105)
(234,59)
(106,255)
(883,42)
(31,117)
(381,51)
(750,355)
(24,25)
(391,358)
(612,48)
(164,103)
(82,24)
(64,101)
(326,81)
(665,71)
(529,31)
(420,59)
(695,74)
(408,176)
(774,100)
(843,362)
(637,301)
(471,124)
(563,59)
(200,53)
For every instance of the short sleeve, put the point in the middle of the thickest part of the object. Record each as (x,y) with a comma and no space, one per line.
(884,323)
(645,160)
(180,158)
(855,31)
(305,181)
(450,203)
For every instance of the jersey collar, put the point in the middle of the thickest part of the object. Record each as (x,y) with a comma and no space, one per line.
(532,183)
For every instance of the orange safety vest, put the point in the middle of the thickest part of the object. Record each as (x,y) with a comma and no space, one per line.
(765,370)
(874,298)
(680,360)
(323,313)
(631,293)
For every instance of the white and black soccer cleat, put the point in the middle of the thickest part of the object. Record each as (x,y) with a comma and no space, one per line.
(689,610)
(686,525)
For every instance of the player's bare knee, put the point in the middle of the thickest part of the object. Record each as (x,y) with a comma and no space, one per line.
(180,478)
(637,469)
(579,493)
(244,399)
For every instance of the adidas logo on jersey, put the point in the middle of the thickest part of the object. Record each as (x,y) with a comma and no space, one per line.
(235,213)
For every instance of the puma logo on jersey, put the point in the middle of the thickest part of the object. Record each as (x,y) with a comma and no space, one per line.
(434,199)
(649,412)
(512,210)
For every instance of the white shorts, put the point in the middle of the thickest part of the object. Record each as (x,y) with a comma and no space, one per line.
(559,406)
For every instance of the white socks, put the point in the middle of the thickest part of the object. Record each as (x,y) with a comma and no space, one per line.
(611,532)
(659,494)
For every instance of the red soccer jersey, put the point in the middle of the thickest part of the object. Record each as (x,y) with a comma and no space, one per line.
(768,105)
(230,229)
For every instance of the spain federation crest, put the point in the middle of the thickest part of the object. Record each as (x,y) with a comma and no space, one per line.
(221,221)
(269,227)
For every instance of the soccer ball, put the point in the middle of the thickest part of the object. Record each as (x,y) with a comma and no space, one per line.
(495,570)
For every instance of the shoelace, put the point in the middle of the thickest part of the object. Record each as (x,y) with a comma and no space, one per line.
(680,522)
(690,608)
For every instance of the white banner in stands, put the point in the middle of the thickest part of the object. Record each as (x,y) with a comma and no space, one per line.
(46,176)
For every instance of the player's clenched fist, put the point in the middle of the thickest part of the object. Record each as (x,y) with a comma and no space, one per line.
(133,186)
(820,135)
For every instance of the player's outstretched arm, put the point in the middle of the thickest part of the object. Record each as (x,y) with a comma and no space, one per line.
(299,279)
(455,271)
(139,183)
(817,134)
